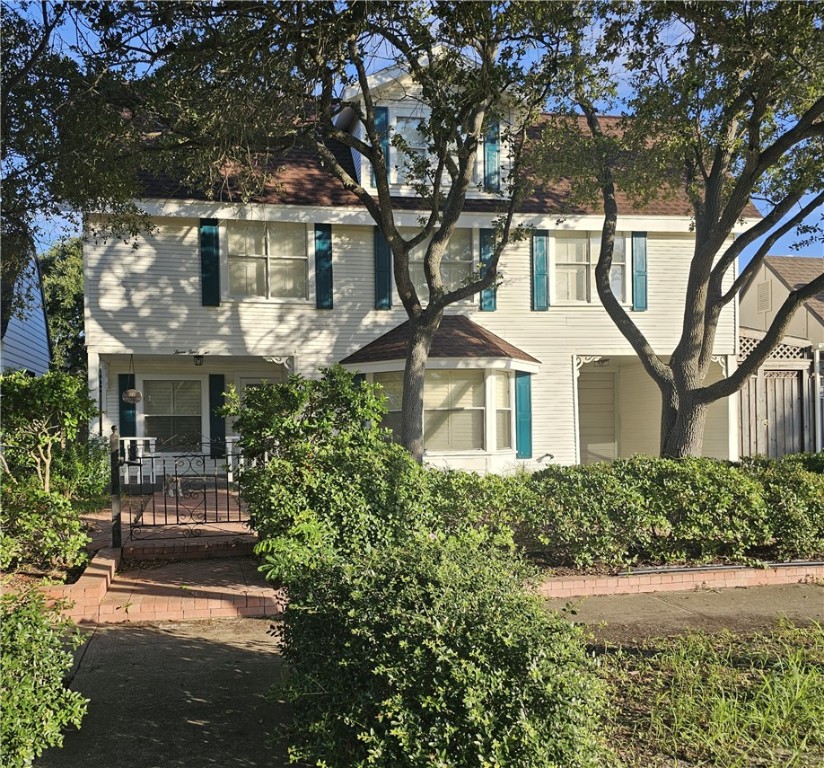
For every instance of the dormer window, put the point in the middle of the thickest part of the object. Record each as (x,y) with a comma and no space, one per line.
(416,144)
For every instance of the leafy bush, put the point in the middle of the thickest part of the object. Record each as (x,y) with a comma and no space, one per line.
(586,516)
(323,480)
(39,529)
(82,473)
(794,499)
(697,509)
(36,705)
(42,417)
(430,652)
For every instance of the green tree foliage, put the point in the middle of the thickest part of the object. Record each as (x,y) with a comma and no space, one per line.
(725,104)
(62,269)
(36,704)
(217,68)
(68,143)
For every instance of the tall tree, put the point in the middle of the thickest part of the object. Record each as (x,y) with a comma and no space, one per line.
(247,80)
(726,105)
(66,145)
(62,270)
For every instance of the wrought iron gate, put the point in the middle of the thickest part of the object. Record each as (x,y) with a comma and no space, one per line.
(165,495)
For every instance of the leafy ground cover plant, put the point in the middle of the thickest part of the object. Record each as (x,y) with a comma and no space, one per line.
(730,701)
(36,705)
(430,652)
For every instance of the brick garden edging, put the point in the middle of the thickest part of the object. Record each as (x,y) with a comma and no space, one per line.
(89,590)
(680,579)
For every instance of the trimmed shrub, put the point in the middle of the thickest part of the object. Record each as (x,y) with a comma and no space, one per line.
(323,481)
(584,516)
(697,509)
(82,472)
(794,500)
(430,652)
(36,704)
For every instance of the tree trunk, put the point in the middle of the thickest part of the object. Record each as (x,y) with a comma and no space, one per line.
(682,429)
(422,331)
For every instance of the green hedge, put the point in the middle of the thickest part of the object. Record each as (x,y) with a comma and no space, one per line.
(431,652)
(36,705)
(658,511)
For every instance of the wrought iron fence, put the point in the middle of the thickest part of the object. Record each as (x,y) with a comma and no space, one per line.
(167,494)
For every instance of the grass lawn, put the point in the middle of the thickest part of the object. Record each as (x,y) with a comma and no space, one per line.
(723,700)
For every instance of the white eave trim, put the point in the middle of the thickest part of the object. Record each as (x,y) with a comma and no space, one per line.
(449,363)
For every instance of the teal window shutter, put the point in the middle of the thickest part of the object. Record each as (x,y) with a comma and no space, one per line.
(383,272)
(488,299)
(639,271)
(127,411)
(209,263)
(492,158)
(382,127)
(323,266)
(540,270)
(523,415)
(217,424)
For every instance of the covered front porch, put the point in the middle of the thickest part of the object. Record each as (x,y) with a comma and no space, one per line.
(619,411)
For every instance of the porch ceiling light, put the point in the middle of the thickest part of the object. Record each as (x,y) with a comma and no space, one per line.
(198,359)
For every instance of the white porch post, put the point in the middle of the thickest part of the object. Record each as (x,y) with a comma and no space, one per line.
(733,408)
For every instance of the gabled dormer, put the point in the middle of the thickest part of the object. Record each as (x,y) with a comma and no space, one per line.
(400,110)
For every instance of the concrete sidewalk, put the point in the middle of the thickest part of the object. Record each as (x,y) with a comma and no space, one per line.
(176,695)
(623,618)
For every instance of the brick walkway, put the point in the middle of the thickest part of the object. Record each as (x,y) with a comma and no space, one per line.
(168,579)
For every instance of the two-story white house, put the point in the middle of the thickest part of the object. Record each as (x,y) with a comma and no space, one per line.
(300,278)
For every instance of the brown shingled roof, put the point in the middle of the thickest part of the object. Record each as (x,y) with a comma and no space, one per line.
(457,336)
(795,271)
(298,177)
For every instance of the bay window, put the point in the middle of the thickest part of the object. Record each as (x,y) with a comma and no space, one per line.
(455,407)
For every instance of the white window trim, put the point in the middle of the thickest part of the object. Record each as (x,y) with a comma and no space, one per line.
(592,293)
(475,246)
(396,177)
(225,295)
(490,411)
(140,411)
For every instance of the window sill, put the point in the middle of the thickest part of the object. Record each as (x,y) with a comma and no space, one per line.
(261,300)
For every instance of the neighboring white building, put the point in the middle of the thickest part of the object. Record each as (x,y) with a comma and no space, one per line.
(25,342)
(228,293)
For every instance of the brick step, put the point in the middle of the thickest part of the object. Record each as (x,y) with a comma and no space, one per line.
(199,606)
(195,548)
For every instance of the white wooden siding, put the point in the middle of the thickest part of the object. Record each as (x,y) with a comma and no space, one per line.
(148,302)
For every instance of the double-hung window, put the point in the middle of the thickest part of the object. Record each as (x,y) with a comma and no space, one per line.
(416,148)
(267,259)
(173,412)
(503,411)
(575,259)
(457,263)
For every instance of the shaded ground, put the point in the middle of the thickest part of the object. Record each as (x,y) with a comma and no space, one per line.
(625,619)
(175,695)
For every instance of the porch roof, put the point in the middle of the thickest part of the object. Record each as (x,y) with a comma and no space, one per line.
(457,336)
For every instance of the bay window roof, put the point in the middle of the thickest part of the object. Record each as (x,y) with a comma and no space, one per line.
(457,337)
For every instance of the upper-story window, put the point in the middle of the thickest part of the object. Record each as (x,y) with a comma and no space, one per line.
(457,264)
(416,144)
(267,259)
(575,260)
